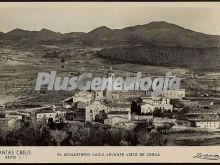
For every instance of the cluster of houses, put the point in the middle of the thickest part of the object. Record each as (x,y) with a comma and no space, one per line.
(115,108)
(118,111)
(109,107)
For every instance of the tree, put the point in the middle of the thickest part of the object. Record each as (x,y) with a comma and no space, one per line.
(2,115)
(58,136)
(143,137)
(157,112)
(156,139)
(115,136)
(165,128)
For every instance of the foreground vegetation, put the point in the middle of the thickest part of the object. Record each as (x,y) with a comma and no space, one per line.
(79,134)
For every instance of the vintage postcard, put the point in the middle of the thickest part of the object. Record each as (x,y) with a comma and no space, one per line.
(110,82)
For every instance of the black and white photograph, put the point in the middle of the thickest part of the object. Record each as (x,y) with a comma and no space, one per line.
(109,74)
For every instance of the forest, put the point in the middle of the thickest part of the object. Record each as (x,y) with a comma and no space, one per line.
(202,59)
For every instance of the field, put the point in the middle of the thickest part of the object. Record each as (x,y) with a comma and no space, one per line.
(192,139)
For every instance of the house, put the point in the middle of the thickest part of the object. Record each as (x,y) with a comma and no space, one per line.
(46,116)
(116,120)
(147,108)
(93,109)
(174,94)
(14,115)
(142,117)
(183,123)
(149,104)
(120,106)
(23,113)
(50,116)
(127,94)
(158,121)
(81,96)
(68,102)
(122,114)
(204,119)
(75,115)
(81,104)
(209,124)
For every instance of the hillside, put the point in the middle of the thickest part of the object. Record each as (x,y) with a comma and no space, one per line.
(202,59)
(19,34)
(1,34)
(154,33)
(44,36)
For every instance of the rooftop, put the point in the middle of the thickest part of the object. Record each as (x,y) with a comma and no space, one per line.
(121,105)
(69,99)
(61,108)
(204,118)
(207,120)
(8,118)
(81,104)
(46,111)
(144,103)
(117,117)
(162,119)
(118,112)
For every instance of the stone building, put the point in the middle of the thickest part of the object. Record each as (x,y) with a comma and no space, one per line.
(81,96)
(209,124)
(50,116)
(147,108)
(174,94)
(93,109)
(159,121)
(149,104)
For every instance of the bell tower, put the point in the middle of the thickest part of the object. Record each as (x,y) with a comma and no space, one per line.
(108,93)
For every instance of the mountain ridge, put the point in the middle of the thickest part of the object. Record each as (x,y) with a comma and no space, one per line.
(158,33)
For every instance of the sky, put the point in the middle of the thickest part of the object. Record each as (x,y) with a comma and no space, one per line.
(83,16)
